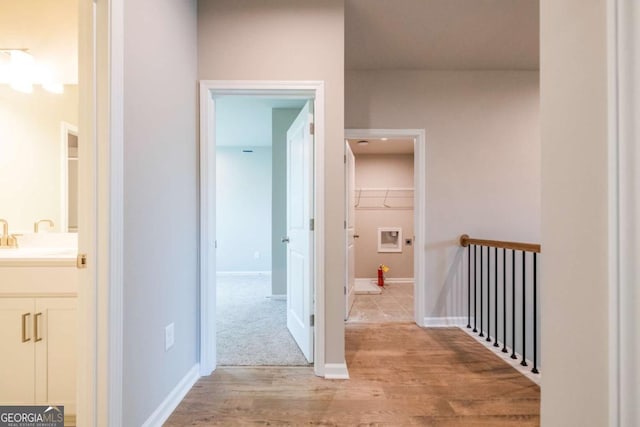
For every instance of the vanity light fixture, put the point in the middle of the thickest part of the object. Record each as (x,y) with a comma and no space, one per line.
(363,142)
(22,72)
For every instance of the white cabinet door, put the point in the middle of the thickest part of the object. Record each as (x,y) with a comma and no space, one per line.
(17,359)
(54,329)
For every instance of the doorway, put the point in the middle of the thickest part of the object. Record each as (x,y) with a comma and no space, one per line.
(304,238)
(384,186)
(252,296)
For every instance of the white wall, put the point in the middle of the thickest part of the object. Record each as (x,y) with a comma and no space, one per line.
(574,213)
(483,158)
(160,201)
(291,40)
(30,154)
(383,171)
(243,215)
(282,120)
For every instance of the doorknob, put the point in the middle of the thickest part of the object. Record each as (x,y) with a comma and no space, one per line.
(356,236)
(285,239)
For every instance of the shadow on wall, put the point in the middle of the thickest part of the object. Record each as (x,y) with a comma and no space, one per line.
(452,297)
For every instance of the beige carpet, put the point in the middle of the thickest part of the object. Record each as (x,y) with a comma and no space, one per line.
(252,328)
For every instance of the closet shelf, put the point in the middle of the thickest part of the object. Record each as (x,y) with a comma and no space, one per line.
(383,198)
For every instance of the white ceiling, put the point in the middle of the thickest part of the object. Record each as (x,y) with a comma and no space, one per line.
(378,146)
(442,34)
(48,28)
(245,121)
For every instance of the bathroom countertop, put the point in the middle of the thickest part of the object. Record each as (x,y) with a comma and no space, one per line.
(38,257)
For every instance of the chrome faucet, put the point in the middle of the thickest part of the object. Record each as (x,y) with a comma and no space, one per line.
(6,240)
(36,225)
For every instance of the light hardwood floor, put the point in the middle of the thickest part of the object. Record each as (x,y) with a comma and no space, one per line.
(401,375)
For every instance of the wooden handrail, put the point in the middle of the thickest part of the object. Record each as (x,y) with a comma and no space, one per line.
(465,241)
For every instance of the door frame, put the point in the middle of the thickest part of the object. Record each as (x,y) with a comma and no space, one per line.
(209,89)
(100,212)
(419,206)
(66,129)
(623,65)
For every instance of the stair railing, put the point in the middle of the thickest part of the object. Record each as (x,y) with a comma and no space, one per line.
(509,311)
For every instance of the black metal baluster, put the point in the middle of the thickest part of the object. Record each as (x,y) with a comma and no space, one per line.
(504,301)
(488,294)
(524,312)
(469,288)
(481,296)
(535,316)
(475,289)
(495,294)
(513,304)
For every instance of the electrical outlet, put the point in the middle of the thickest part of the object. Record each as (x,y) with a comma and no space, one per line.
(256,254)
(169,336)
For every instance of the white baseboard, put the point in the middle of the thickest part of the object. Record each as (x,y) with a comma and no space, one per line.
(336,371)
(171,402)
(443,322)
(515,363)
(394,280)
(278,296)
(243,273)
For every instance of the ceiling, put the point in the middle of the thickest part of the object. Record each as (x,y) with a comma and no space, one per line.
(442,34)
(378,146)
(245,121)
(48,28)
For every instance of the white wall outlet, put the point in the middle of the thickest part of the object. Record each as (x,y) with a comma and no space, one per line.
(169,336)
(256,254)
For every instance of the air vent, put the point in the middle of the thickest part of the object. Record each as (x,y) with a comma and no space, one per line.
(247,151)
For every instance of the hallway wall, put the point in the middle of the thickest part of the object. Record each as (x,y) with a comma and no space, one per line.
(160,270)
(482,154)
(575,222)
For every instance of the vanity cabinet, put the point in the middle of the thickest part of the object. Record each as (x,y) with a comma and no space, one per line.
(38,357)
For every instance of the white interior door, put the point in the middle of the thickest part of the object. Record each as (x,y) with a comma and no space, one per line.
(350,174)
(299,237)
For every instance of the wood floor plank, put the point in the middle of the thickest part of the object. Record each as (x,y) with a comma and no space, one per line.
(400,375)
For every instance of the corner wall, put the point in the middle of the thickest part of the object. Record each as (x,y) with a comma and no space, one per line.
(482,154)
(291,40)
(160,201)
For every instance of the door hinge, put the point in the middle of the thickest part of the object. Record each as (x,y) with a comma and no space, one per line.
(345,159)
(345,224)
(312,129)
(312,320)
(312,224)
(81,261)
(345,290)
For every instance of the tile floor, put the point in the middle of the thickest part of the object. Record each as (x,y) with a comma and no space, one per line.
(394,304)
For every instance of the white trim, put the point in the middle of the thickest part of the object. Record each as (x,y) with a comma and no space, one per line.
(443,322)
(242,273)
(208,90)
(173,399)
(624,210)
(394,280)
(65,130)
(336,371)
(419,205)
(515,363)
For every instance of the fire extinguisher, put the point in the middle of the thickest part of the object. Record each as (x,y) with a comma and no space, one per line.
(380,276)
